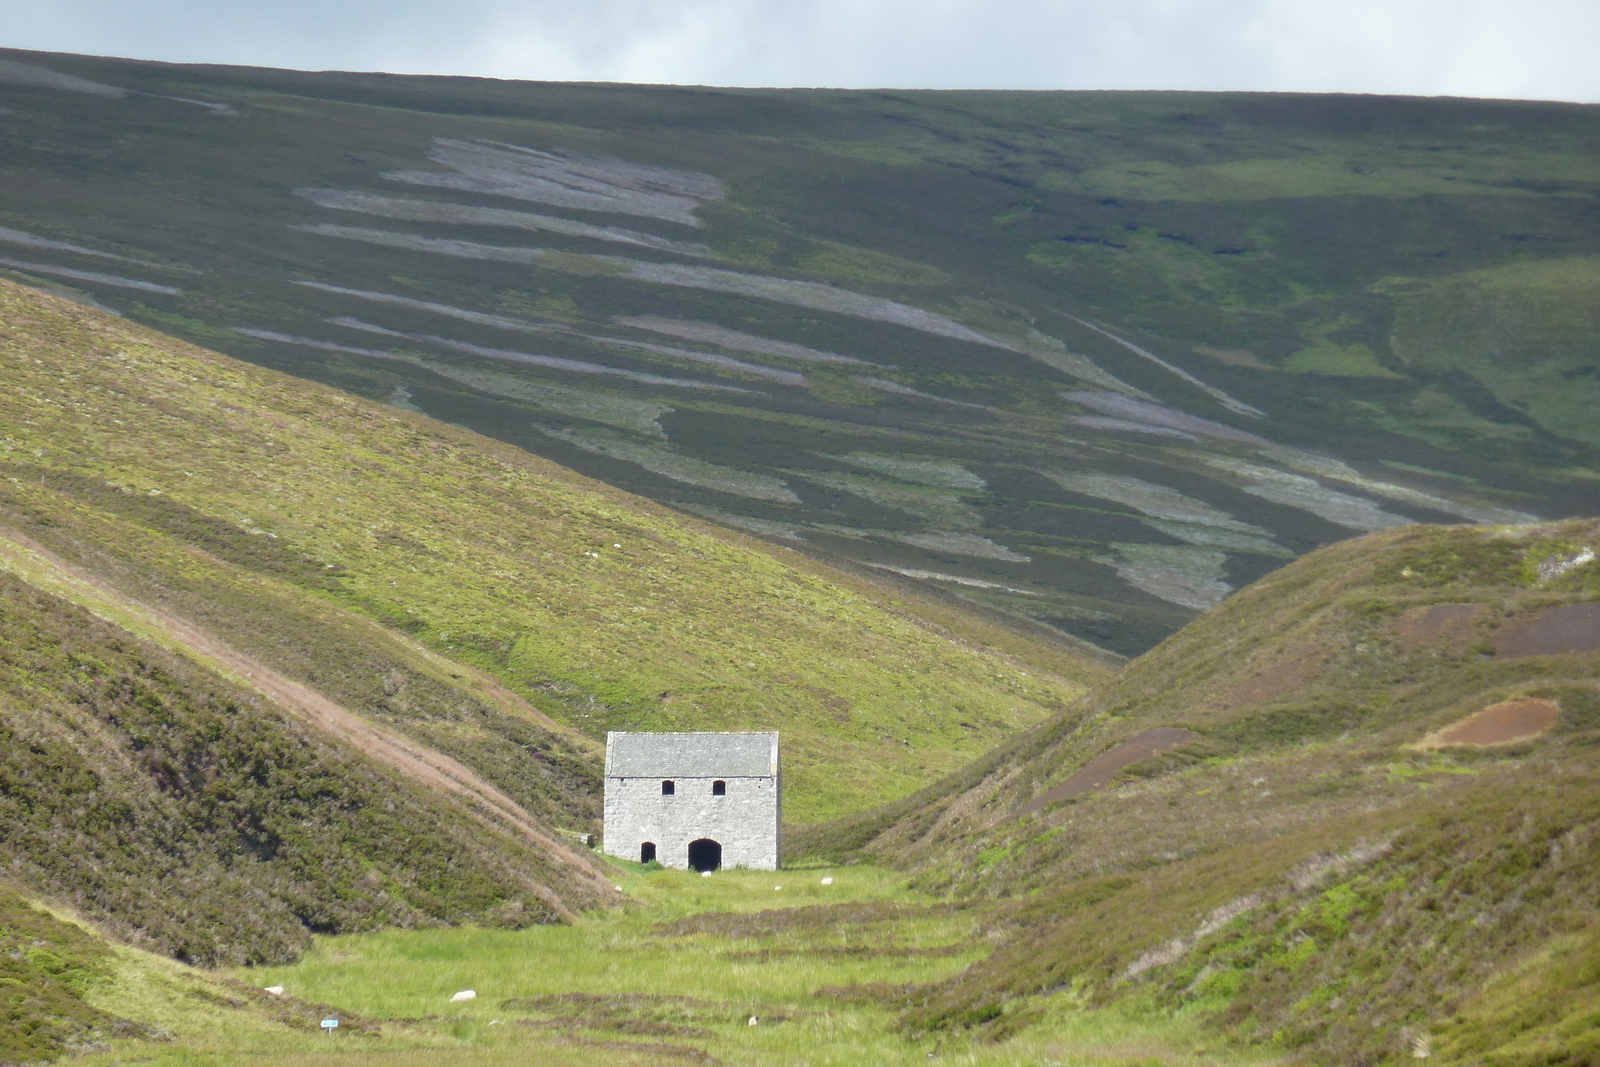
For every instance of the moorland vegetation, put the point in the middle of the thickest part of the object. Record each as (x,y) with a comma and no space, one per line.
(301,691)
(1091,359)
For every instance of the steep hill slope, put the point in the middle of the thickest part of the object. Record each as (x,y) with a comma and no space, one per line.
(470,595)
(1354,810)
(1091,358)
(198,819)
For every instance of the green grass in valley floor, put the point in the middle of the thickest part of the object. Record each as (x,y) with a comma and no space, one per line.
(674,977)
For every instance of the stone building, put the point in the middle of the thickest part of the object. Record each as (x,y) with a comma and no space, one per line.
(701,800)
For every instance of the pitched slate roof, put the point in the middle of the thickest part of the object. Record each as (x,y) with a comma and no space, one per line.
(696,755)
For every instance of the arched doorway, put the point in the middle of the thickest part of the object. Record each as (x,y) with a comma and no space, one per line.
(647,852)
(705,855)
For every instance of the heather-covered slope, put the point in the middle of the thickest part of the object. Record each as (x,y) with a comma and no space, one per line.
(198,819)
(1380,816)
(351,546)
(1096,359)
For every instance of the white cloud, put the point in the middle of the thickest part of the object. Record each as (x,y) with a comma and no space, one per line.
(1517,48)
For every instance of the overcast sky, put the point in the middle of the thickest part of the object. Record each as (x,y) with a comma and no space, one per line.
(1537,49)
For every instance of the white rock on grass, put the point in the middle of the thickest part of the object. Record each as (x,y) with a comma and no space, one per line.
(465,994)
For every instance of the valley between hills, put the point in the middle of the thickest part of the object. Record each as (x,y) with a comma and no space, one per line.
(1074,480)
(256,737)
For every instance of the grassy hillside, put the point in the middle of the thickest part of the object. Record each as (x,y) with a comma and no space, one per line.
(1321,865)
(1094,359)
(350,546)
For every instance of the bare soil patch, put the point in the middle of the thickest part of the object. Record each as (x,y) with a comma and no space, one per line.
(1550,631)
(1450,624)
(1288,674)
(1100,771)
(1504,723)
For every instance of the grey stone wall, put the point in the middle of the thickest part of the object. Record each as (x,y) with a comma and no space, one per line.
(746,822)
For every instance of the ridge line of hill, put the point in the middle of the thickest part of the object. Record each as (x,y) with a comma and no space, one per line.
(417,762)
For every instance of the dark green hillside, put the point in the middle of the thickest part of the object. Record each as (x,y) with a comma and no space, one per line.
(196,819)
(1325,865)
(1096,359)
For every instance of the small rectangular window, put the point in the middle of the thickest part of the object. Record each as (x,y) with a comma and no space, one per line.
(668,788)
(719,789)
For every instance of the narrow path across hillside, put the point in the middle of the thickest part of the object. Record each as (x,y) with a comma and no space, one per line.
(39,566)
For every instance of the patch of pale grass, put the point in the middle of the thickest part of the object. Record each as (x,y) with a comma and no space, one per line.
(613,409)
(925,503)
(481,318)
(1215,537)
(813,295)
(566,179)
(886,386)
(961,544)
(737,340)
(93,277)
(1151,414)
(442,246)
(1171,512)
(508,322)
(1328,467)
(748,523)
(1307,494)
(1157,501)
(726,363)
(1054,353)
(28,240)
(935,471)
(678,467)
(559,363)
(470,215)
(954,579)
(1106,422)
(1191,577)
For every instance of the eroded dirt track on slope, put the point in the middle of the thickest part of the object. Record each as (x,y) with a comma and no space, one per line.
(417,762)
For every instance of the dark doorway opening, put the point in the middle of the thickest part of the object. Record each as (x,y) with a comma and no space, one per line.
(705,855)
(647,852)
(719,789)
(668,788)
